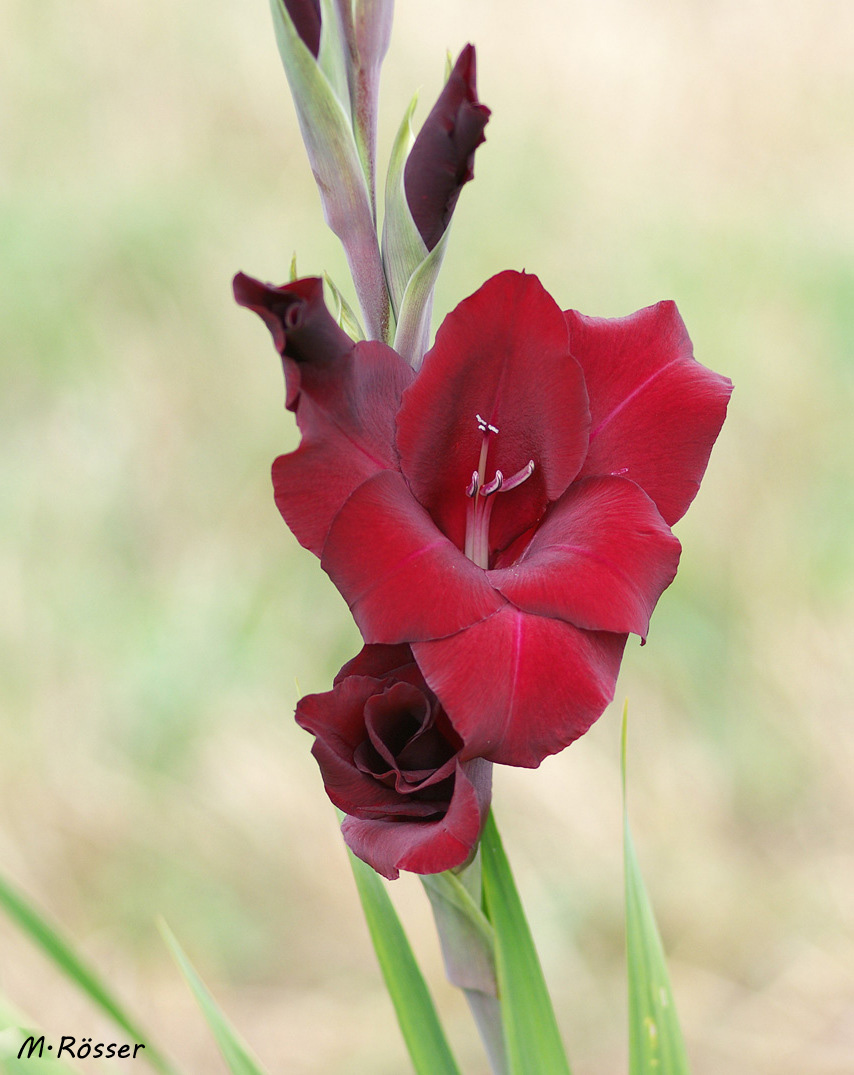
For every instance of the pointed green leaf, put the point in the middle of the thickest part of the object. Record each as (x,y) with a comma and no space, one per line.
(63,956)
(656,1046)
(236,1053)
(419,1023)
(532,1037)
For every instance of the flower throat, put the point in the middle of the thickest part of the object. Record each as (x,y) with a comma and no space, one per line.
(481,496)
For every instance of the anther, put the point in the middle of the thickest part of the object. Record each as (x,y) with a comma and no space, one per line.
(494,485)
(517,479)
(473,485)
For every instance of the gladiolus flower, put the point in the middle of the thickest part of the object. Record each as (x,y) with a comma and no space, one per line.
(391,760)
(515,527)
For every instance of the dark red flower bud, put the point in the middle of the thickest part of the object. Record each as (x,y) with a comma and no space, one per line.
(390,759)
(305,15)
(442,158)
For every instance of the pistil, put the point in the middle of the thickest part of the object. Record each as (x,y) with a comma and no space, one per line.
(481,497)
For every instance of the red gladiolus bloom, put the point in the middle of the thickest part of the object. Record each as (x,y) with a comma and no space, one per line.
(519,527)
(391,760)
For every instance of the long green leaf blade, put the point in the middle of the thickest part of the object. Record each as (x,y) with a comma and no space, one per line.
(419,1023)
(235,1051)
(63,956)
(532,1037)
(656,1046)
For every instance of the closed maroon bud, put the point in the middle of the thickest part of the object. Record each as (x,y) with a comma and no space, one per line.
(442,158)
(305,15)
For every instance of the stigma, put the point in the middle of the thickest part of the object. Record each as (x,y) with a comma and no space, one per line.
(481,495)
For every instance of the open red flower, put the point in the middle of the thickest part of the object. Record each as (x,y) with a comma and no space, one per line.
(519,526)
(391,760)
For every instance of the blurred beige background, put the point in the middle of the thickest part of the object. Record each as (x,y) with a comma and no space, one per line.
(157,614)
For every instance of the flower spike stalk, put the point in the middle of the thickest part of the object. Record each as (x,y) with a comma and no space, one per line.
(366,26)
(495,508)
(322,99)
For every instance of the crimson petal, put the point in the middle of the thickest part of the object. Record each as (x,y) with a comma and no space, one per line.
(379,661)
(427,846)
(655,411)
(401,577)
(519,687)
(503,354)
(335,718)
(312,344)
(347,436)
(600,559)
(345,397)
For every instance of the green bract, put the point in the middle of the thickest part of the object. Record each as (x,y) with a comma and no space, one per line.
(323,111)
(410,270)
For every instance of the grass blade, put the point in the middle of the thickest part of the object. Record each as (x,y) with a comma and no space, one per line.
(235,1051)
(63,956)
(419,1023)
(656,1046)
(532,1037)
(15,1029)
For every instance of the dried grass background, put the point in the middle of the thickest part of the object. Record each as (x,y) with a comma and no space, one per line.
(156,613)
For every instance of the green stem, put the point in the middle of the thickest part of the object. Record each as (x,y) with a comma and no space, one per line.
(486,1012)
(468,947)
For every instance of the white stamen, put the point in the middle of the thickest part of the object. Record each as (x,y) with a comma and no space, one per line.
(481,501)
